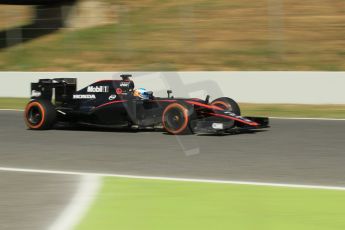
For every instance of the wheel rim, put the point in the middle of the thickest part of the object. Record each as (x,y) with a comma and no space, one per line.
(34,115)
(175,119)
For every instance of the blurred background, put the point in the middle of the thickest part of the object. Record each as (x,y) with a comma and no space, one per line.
(147,38)
(173,35)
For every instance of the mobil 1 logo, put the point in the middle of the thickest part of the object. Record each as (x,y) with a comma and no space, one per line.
(98,89)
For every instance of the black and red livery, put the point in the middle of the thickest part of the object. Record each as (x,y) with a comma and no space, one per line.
(111,103)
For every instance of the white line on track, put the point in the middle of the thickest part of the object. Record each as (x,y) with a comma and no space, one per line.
(308,118)
(278,118)
(15,110)
(91,182)
(79,204)
(25,170)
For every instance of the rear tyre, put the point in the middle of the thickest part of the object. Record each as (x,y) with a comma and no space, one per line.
(40,115)
(227,104)
(177,118)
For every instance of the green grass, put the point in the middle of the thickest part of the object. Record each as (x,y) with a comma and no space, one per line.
(293,110)
(13,103)
(130,204)
(156,35)
(270,110)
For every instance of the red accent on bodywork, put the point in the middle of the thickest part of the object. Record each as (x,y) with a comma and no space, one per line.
(233,118)
(213,107)
(164,100)
(119,91)
(110,103)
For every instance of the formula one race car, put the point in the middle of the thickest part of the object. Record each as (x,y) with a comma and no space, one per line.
(116,103)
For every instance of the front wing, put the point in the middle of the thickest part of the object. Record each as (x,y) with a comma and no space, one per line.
(228,123)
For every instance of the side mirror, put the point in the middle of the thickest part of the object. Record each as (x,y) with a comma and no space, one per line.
(207,100)
(169,92)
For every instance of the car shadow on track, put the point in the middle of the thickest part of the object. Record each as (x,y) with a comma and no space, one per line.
(232,133)
(78,128)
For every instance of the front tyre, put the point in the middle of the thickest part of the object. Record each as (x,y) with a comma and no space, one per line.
(177,118)
(227,104)
(39,115)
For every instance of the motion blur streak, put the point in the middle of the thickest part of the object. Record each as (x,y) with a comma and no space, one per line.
(173,35)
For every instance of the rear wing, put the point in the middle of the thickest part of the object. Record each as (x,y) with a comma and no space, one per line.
(61,89)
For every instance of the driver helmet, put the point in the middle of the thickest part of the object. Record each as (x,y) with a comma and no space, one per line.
(142,93)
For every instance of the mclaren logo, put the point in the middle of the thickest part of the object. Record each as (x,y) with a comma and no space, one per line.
(84,96)
(98,89)
(112,97)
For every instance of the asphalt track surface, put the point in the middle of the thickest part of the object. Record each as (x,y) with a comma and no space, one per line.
(291,151)
(33,201)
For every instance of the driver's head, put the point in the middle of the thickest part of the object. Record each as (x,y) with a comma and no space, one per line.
(142,93)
